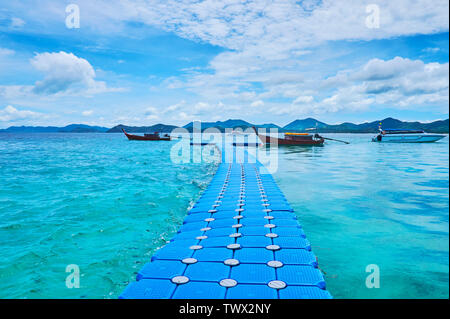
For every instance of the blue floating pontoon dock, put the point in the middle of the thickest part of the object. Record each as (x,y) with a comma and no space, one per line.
(241,240)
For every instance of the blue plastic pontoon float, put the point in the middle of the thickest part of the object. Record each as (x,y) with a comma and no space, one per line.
(241,240)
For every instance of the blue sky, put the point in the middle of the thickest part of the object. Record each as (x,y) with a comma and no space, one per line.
(148,62)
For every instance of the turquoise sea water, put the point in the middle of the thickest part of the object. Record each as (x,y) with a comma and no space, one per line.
(370,203)
(95,200)
(106,204)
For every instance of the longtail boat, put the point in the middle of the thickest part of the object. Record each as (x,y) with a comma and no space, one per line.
(292,139)
(148,137)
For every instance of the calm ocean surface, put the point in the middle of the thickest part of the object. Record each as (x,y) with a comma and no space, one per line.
(106,204)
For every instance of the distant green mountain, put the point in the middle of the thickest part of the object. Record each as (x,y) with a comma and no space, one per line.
(30,129)
(301,125)
(437,126)
(441,126)
(81,128)
(230,124)
(72,128)
(220,125)
(142,129)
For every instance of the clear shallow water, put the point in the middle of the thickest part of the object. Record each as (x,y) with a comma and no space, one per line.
(95,200)
(369,203)
(106,204)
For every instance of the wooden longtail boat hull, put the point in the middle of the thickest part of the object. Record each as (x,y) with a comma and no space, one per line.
(282,141)
(145,138)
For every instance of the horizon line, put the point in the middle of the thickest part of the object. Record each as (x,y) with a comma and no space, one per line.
(230,119)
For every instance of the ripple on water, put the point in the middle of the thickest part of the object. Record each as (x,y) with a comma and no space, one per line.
(380,204)
(107,204)
(95,200)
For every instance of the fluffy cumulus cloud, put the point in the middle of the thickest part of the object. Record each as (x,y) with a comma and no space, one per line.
(266,44)
(399,82)
(250,24)
(64,72)
(11,114)
(268,40)
(265,38)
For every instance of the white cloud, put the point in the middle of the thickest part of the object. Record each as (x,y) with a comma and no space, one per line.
(152,113)
(11,114)
(202,107)
(151,110)
(5,51)
(16,23)
(303,99)
(266,44)
(269,39)
(152,117)
(377,69)
(200,111)
(10,92)
(266,39)
(238,25)
(398,83)
(175,107)
(257,103)
(65,72)
(87,113)
(431,50)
